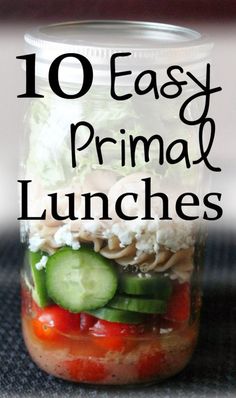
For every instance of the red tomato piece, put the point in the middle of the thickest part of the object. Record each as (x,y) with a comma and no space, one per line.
(151,364)
(107,328)
(179,305)
(86,321)
(110,343)
(87,370)
(53,320)
(114,336)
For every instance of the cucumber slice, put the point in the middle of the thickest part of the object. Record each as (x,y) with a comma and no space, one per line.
(115,315)
(150,285)
(80,280)
(137,304)
(39,291)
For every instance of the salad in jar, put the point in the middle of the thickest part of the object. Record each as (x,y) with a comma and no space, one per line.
(106,300)
(101,311)
(111,302)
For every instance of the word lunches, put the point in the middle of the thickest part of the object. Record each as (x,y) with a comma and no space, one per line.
(177,79)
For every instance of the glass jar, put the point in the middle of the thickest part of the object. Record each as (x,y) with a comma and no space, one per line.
(105,299)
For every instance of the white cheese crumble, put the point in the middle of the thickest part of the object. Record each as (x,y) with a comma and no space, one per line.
(42,263)
(64,236)
(35,243)
(92,226)
(122,231)
(165,331)
(142,275)
(149,235)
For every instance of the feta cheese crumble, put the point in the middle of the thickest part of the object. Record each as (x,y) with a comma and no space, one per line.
(165,331)
(42,263)
(35,243)
(64,236)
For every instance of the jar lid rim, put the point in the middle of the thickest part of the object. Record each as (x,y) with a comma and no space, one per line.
(151,45)
(100,37)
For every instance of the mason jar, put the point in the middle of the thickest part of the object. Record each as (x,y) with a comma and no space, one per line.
(109,299)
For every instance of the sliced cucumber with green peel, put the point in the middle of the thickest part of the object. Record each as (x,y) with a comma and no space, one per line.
(115,315)
(39,292)
(138,304)
(146,284)
(80,280)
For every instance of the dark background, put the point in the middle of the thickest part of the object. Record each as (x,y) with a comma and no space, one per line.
(163,10)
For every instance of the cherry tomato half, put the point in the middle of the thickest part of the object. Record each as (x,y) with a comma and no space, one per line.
(53,320)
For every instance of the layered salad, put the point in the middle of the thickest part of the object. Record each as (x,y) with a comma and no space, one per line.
(105,301)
